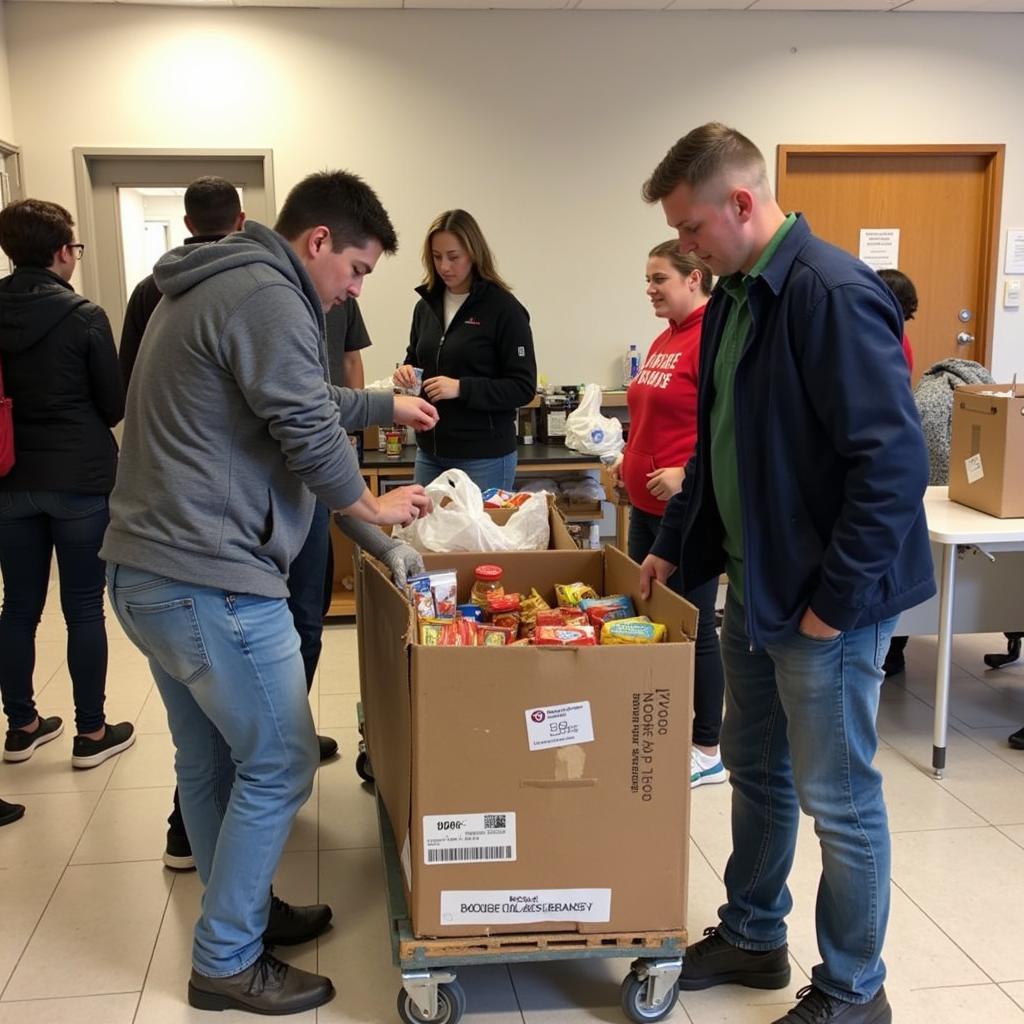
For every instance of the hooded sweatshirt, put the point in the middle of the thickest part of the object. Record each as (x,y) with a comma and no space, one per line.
(60,371)
(230,422)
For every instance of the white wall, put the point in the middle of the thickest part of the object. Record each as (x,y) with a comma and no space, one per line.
(543,124)
(6,117)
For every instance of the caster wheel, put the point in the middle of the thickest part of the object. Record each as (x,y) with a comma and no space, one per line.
(363,767)
(451,1005)
(634,994)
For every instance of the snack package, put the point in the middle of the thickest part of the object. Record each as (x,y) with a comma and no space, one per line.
(434,594)
(569,595)
(561,617)
(623,601)
(528,609)
(489,635)
(565,636)
(639,630)
(471,611)
(520,499)
(495,497)
(504,611)
(440,633)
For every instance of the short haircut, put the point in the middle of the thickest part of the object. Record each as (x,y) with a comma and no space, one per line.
(344,204)
(903,288)
(704,155)
(684,262)
(212,205)
(464,227)
(32,230)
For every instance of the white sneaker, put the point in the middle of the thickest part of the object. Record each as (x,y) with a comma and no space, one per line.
(705,770)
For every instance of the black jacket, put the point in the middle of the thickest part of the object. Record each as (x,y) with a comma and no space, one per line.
(143,301)
(488,349)
(60,370)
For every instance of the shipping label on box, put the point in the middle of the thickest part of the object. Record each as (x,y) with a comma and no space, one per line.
(469,838)
(525,906)
(562,725)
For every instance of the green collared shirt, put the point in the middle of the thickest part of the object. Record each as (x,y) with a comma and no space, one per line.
(724,466)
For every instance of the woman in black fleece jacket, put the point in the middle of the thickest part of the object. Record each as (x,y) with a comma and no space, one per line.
(60,371)
(471,338)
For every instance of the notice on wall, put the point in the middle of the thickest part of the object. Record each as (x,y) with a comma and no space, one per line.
(1015,251)
(528,906)
(880,248)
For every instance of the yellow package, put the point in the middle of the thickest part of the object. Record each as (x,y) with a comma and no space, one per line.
(569,595)
(639,630)
(528,608)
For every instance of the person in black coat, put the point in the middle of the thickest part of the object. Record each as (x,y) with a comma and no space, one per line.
(472,342)
(60,371)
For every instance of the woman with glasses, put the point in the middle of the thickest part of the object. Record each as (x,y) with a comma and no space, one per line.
(59,368)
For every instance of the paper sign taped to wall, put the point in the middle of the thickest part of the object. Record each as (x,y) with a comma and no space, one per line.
(880,248)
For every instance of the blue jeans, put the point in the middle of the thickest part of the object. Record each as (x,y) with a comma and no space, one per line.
(32,525)
(800,733)
(230,674)
(485,473)
(708,678)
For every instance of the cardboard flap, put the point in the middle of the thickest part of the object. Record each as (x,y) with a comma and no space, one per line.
(622,576)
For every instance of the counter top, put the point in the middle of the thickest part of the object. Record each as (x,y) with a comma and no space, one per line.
(527,455)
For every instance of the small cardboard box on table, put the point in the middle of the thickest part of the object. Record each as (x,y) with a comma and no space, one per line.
(986,456)
(533,789)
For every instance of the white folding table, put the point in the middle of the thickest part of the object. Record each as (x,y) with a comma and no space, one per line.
(985,593)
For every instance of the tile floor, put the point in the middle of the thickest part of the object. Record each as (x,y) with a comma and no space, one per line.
(93,930)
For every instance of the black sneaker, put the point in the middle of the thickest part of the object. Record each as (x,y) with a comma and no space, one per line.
(10,812)
(815,1007)
(289,926)
(269,987)
(713,961)
(178,852)
(328,747)
(86,753)
(21,745)
(1016,740)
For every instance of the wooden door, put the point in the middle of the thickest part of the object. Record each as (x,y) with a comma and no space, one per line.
(945,201)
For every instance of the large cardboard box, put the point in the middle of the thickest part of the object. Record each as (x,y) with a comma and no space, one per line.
(986,457)
(533,789)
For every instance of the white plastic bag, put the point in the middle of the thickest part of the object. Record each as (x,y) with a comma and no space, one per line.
(590,433)
(459,522)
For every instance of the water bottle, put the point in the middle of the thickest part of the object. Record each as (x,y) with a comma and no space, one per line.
(630,365)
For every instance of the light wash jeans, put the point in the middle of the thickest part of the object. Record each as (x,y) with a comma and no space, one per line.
(485,473)
(230,674)
(799,733)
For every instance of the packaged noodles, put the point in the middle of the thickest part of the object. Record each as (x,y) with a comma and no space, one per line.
(528,610)
(639,630)
(561,617)
(569,595)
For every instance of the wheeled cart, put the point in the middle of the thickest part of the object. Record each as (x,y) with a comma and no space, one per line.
(431,993)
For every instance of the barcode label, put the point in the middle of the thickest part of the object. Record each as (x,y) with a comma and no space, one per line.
(459,854)
(469,838)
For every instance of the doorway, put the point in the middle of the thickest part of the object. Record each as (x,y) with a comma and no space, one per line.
(10,189)
(945,203)
(114,187)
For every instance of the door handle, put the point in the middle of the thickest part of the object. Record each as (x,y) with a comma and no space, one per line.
(963,338)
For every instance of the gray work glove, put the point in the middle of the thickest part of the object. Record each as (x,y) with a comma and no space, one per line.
(401,559)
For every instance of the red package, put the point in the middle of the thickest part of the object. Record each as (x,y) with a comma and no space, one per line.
(565,636)
(504,603)
(599,614)
(561,617)
(489,635)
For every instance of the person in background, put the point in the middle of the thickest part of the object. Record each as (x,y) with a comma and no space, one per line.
(662,436)
(471,338)
(212,210)
(906,295)
(60,370)
(806,486)
(10,813)
(232,432)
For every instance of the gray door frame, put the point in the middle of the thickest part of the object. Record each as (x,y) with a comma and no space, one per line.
(87,157)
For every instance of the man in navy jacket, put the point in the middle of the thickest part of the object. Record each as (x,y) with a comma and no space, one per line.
(806,489)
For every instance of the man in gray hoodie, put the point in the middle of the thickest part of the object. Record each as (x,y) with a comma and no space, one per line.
(231,428)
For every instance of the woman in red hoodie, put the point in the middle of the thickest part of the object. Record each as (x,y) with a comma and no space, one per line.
(662,436)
